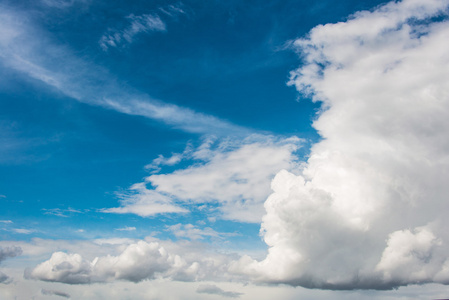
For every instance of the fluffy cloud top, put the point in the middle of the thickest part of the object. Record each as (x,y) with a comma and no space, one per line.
(138,261)
(369,209)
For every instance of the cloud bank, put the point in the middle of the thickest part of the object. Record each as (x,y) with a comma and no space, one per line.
(138,261)
(369,209)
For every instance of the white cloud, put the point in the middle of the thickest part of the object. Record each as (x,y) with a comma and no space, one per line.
(23,230)
(62,212)
(193,232)
(144,202)
(212,289)
(234,174)
(369,209)
(126,228)
(136,262)
(137,24)
(24,48)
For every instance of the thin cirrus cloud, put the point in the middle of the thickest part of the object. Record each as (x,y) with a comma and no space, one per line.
(137,24)
(369,210)
(234,174)
(25,49)
(140,24)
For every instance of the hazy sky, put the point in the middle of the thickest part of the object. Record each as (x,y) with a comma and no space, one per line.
(224,149)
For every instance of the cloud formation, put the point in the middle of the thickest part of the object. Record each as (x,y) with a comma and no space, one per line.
(137,24)
(26,49)
(138,261)
(54,293)
(9,252)
(369,209)
(212,289)
(234,174)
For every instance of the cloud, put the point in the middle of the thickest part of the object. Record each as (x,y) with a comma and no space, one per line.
(6,221)
(62,4)
(5,279)
(29,51)
(192,232)
(127,228)
(137,24)
(9,252)
(54,293)
(215,290)
(234,174)
(5,253)
(23,230)
(61,212)
(138,261)
(144,202)
(368,211)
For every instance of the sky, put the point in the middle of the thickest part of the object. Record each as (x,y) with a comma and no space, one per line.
(224,149)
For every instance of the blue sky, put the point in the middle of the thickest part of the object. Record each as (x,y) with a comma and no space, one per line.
(272,138)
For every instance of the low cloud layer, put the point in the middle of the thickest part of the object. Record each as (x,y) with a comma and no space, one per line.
(212,289)
(369,210)
(138,261)
(54,293)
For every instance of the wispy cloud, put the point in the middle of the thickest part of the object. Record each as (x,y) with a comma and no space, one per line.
(137,24)
(23,230)
(62,212)
(234,174)
(26,49)
(212,289)
(192,232)
(54,293)
(127,228)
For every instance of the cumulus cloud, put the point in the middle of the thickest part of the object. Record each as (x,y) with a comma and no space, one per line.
(234,174)
(138,261)
(215,290)
(9,252)
(369,208)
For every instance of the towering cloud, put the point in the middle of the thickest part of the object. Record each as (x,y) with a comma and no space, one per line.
(369,210)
